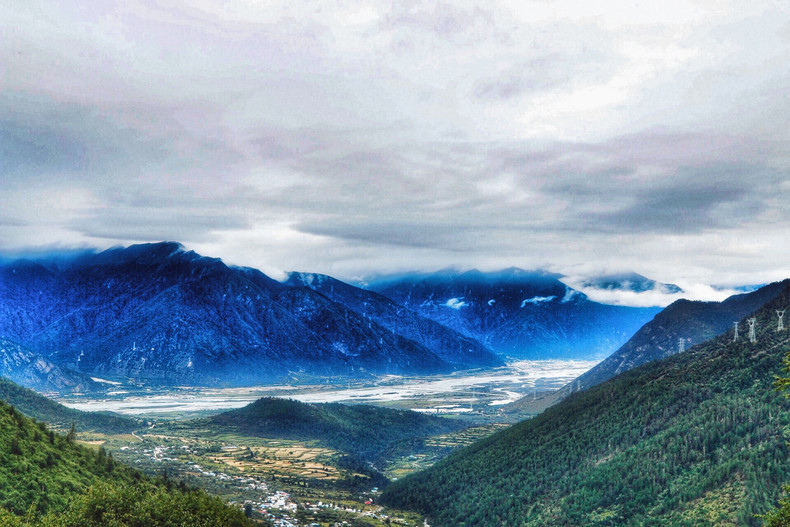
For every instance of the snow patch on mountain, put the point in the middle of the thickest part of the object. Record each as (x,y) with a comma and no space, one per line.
(570,294)
(456,303)
(537,300)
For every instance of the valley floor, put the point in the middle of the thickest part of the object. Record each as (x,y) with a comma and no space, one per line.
(304,483)
(478,394)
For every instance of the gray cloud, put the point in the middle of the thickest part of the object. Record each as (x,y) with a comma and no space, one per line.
(545,72)
(359,138)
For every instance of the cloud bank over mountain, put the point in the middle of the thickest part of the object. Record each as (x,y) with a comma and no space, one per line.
(348,139)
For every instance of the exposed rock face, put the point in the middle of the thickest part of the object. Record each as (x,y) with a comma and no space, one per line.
(34,371)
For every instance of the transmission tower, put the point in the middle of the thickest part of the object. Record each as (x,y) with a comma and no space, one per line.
(781,314)
(735,334)
(752,336)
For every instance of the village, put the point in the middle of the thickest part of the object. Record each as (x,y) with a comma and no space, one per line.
(256,496)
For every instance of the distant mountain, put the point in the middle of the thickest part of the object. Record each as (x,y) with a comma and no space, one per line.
(158,312)
(695,322)
(449,345)
(633,282)
(695,439)
(517,313)
(43,409)
(360,430)
(32,370)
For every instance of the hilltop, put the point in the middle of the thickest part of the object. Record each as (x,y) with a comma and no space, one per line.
(363,431)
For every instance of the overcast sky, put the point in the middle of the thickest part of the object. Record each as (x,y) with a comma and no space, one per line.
(352,138)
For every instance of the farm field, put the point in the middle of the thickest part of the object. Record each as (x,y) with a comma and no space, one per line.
(294,482)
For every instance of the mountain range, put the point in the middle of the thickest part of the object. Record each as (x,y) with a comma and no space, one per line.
(161,313)
(516,313)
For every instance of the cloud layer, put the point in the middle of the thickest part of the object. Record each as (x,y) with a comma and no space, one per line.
(365,137)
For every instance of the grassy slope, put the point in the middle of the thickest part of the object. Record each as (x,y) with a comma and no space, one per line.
(696,439)
(35,405)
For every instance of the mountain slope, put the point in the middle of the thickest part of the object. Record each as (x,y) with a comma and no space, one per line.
(33,458)
(39,407)
(362,430)
(43,473)
(158,312)
(449,345)
(695,439)
(30,369)
(517,313)
(693,321)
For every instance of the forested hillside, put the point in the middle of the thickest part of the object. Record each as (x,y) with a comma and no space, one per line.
(49,480)
(694,322)
(696,439)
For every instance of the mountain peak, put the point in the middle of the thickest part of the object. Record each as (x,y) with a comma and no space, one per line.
(629,281)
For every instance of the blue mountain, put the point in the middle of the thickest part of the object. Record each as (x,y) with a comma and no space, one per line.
(448,344)
(167,315)
(517,313)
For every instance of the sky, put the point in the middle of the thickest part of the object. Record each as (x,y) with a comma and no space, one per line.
(360,138)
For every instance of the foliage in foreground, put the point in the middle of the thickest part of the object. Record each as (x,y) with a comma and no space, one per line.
(106,505)
(779,517)
(50,480)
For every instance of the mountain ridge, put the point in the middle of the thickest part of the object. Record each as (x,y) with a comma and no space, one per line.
(694,439)
(36,371)
(44,409)
(163,314)
(693,321)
